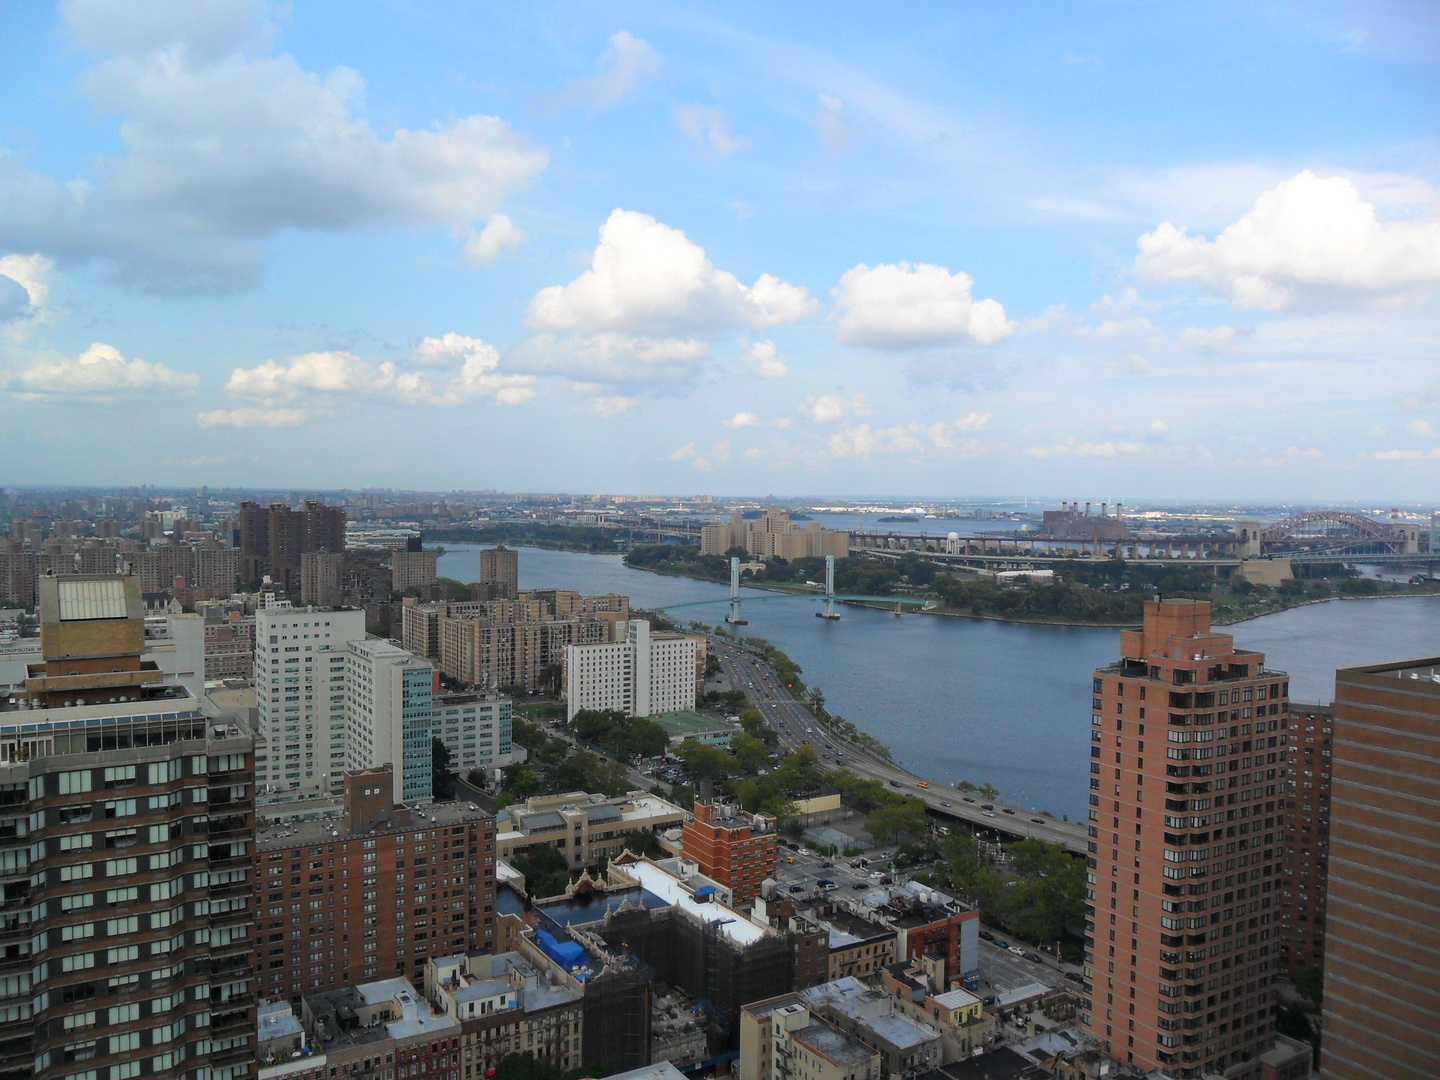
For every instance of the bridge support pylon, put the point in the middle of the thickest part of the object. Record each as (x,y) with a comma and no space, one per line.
(734,618)
(829,612)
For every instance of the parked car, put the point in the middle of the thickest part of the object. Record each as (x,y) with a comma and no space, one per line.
(999,944)
(986,935)
(876,875)
(859,885)
(797,888)
(1017,950)
(1034,958)
(1075,976)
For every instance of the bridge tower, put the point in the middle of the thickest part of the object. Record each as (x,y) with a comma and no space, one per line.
(829,612)
(734,618)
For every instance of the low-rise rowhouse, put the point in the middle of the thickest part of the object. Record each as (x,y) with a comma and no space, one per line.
(958,1014)
(582,827)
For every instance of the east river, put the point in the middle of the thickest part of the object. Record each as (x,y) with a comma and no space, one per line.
(1007,703)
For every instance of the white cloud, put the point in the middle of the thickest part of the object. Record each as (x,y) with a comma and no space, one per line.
(449,370)
(1407,455)
(613,359)
(223,147)
(830,408)
(908,306)
(706,124)
(1138,365)
(1210,338)
(253,416)
(1306,240)
(99,371)
(31,273)
(836,127)
(1076,449)
(917,440)
(608,405)
(1158,428)
(742,420)
(769,364)
(490,243)
(1421,427)
(621,70)
(681,453)
(646,277)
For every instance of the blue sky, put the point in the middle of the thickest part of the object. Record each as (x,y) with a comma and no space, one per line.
(1119,250)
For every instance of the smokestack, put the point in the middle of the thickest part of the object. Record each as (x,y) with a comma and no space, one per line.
(1087,509)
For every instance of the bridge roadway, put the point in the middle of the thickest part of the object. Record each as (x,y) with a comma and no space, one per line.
(795,725)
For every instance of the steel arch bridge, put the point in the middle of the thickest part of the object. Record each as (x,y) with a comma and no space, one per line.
(1361,528)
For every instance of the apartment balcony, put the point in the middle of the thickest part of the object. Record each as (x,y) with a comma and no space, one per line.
(232,1022)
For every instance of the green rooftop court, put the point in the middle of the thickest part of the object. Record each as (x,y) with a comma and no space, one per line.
(688,725)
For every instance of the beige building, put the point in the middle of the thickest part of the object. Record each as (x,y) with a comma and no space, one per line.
(774,536)
(501,565)
(582,827)
(413,570)
(807,1047)
(320,577)
(479,652)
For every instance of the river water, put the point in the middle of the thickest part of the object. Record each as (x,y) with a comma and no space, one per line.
(1007,703)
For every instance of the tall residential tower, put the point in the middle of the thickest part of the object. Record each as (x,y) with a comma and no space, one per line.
(1186,813)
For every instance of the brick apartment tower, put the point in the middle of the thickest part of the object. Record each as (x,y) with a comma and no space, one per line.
(1307,838)
(1184,848)
(735,848)
(1382,947)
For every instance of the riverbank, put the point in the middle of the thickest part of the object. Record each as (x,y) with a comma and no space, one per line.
(1228,609)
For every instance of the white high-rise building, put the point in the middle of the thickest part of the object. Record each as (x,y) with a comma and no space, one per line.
(644,674)
(300,696)
(388,706)
(477,730)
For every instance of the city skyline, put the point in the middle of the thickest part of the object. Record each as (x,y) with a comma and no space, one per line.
(1192,254)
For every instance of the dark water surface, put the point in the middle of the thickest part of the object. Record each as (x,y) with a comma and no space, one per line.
(1007,703)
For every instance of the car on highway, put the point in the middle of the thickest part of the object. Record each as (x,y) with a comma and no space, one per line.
(987,813)
(894,783)
(1008,810)
(859,885)
(987,806)
(1017,950)
(922,783)
(1038,820)
(967,798)
(944,803)
(826,865)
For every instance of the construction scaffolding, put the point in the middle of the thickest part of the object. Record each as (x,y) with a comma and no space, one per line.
(719,974)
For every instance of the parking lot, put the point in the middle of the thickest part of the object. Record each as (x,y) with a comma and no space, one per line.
(1000,970)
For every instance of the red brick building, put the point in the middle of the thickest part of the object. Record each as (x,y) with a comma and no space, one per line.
(735,848)
(372,894)
(1306,865)
(1187,804)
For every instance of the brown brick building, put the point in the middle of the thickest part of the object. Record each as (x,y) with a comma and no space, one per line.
(1307,837)
(1382,948)
(372,894)
(1186,819)
(735,848)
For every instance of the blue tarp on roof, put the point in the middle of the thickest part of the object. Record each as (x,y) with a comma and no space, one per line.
(567,953)
(704,890)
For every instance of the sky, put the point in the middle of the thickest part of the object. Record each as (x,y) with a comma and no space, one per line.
(1116,250)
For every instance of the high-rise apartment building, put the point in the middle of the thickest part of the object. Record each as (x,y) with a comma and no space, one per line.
(388,701)
(322,574)
(476,728)
(300,695)
(735,848)
(1306,867)
(272,538)
(372,892)
(414,570)
(1382,981)
(774,535)
(1186,830)
(500,566)
(481,652)
(126,825)
(643,674)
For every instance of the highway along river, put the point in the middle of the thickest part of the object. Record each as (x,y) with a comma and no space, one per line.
(1007,703)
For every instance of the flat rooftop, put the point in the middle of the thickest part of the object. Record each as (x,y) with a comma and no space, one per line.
(689,723)
(1416,671)
(830,1042)
(281,825)
(671,891)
